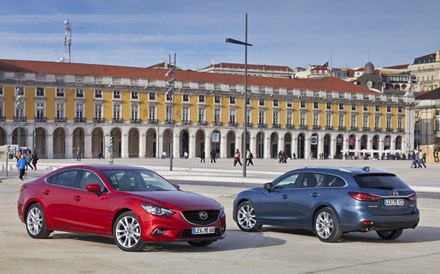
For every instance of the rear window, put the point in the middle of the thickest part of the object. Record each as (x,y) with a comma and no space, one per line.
(380,181)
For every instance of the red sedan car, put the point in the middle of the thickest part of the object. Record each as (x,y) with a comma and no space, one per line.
(134,205)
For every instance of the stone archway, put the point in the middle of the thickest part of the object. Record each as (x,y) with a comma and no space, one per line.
(116,134)
(78,141)
(288,144)
(301,146)
(151,148)
(133,143)
(97,142)
(166,139)
(248,138)
(40,142)
(327,144)
(273,148)
(260,145)
(387,142)
(398,145)
(215,142)
(314,143)
(59,143)
(3,136)
(184,142)
(19,137)
(200,142)
(339,146)
(230,144)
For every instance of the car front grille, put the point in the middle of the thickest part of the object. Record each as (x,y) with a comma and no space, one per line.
(194,216)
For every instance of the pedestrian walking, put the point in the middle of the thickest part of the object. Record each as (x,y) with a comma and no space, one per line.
(29,159)
(34,160)
(213,154)
(249,157)
(421,160)
(237,157)
(202,156)
(21,165)
(78,154)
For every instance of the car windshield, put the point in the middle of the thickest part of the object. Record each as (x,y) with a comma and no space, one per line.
(379,181)
(137,180)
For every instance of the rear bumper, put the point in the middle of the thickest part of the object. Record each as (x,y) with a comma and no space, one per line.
(367,222)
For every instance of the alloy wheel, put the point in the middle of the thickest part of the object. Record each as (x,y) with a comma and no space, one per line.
(128,232)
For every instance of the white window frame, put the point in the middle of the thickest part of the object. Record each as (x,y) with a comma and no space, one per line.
(79,93)
(116,94)
(40,110)
(98,94)
(116,112)
(134,111)
(59,92)
(98,108)
(152,113)
(40,90)
(60,111)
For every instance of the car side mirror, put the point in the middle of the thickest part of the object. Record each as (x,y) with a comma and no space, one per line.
(95,188)
(268,186)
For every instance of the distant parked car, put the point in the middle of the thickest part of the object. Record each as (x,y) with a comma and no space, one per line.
(330,202)
(133,205)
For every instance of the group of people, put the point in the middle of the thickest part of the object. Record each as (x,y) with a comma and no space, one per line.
(249,157)
(25,160)
(419,159)
(213,155)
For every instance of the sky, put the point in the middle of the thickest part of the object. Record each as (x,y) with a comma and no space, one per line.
(294,33)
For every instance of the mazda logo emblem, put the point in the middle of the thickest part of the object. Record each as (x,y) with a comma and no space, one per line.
(203,215)
(395,193)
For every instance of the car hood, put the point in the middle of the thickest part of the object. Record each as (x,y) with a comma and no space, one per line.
(177,200)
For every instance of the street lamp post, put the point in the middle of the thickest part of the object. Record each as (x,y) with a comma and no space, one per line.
(171,82)
(245,44)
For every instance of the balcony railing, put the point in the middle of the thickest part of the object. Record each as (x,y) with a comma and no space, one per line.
(80,120)
(117,120)
(276,126)
(329,128)
(354,129)
(60,119)
(135,121)
(40,119)
(316,127)
(152,121)
(388,129)
(366,129)
(169,122)
(377,129)
(186,122)
(290,126)
(19,119)
(218,124)
(341,128)
(232,124)
(98,120)
(2,118)
(262,125)
(400,130)
(202,123)
(303,127)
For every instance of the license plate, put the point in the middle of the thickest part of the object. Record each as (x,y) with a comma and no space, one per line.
(203,230)
(393,202)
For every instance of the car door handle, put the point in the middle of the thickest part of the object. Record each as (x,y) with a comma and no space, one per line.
(284,196)
(77,198)
(315,194)
(46,192)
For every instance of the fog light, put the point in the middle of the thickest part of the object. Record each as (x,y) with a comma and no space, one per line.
(159,231)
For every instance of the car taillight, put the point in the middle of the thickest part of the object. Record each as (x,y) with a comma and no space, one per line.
(413,197)
(364,197)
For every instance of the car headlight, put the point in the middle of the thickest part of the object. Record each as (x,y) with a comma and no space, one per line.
(222,211)
(158,211)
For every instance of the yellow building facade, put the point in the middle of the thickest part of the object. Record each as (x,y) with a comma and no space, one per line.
(57,109)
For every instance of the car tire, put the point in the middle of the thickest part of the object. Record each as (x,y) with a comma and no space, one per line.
(246,218)
(326,226)
(36,222)
(200,243)
(127,232)
(391,234)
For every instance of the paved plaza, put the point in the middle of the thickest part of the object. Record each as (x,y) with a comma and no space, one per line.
(263,170)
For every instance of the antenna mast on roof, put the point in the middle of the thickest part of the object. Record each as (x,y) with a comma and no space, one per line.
(67,42)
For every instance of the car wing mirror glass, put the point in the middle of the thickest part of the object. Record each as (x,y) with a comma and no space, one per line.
(268,186)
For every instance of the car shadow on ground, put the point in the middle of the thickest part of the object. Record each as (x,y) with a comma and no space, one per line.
(420,234)
(234,240)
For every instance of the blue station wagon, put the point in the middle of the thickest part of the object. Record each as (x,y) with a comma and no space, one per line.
(331,201)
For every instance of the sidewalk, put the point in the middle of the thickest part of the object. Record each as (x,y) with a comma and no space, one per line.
(264,170)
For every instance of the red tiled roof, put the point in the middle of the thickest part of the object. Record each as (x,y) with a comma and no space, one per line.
(398,67)
(253,66)
(324,84)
